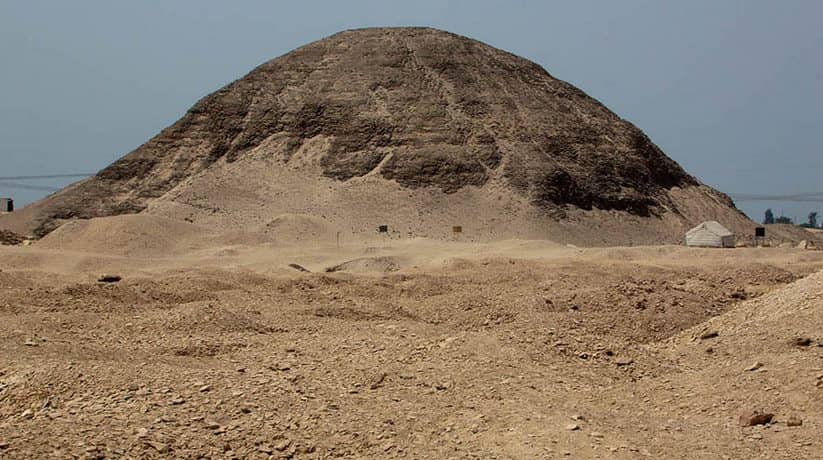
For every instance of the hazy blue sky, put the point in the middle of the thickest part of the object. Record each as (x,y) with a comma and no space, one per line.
(732,90)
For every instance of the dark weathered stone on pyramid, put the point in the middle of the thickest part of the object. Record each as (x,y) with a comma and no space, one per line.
(421,107)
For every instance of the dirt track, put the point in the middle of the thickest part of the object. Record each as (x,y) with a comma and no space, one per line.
(472,354)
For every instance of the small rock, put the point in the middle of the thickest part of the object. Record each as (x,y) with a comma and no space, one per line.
(753,418)
(299,267)
(205,388)
(4,445)
(802,341)
(27,413)
(177,401)
(377,381)
(109,278)
(709,335)
(30,343)
(623,361)
(142,433)
(282,445)
(754,367)
(573,427)
(212,425)
(794,421)
(159,447)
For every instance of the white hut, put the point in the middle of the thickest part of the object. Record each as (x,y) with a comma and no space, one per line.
(710,235)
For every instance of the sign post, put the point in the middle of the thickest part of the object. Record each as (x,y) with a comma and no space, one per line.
(759,236)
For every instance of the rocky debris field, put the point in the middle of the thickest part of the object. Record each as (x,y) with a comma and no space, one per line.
(484,357)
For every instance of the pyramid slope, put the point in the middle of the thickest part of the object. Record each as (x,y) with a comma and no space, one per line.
(412,109)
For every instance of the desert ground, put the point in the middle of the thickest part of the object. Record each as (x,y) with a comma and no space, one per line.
(221,292)
(416,348)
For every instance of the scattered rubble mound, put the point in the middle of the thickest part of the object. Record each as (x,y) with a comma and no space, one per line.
(9,238)
(414,122)
(129,235)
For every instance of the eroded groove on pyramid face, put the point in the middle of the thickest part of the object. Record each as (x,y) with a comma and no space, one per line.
(419,107)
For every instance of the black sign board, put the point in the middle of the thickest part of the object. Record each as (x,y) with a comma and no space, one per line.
(383,229)
(760,232)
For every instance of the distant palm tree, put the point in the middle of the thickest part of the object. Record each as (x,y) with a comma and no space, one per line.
(769,218)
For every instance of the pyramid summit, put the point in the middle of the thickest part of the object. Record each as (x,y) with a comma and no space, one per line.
(415,127)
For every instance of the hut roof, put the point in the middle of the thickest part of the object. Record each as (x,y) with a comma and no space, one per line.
(712,226)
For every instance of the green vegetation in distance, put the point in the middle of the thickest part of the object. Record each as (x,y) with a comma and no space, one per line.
(812,221)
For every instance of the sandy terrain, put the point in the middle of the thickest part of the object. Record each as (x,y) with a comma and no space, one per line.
(251,310)
(407,349)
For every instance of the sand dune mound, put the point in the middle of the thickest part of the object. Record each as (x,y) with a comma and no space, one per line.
(127,235)
(421,126)
(283,230)
(771,323)
(382,264)
(289,228)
